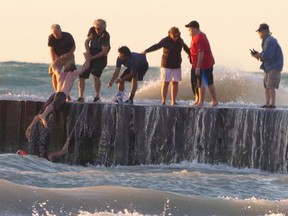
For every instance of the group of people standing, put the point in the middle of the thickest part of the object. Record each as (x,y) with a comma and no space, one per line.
(97,46)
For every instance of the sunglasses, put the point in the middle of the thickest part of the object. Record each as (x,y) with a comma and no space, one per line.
(98,29)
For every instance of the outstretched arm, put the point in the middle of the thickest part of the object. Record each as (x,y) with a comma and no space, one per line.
(53,156)
(114,77)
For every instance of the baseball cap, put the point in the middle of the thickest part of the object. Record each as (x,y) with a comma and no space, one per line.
(193,24)
(262,26)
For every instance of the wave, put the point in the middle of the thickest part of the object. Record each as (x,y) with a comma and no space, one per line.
(187,178)
(27,200)
(232,85)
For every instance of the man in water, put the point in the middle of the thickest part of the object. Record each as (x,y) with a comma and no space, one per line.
(97,47)
(62,46)
(137,67)
(65,83)
(272,64)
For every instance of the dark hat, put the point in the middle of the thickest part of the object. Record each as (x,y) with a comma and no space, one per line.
(262,26)
(193,24)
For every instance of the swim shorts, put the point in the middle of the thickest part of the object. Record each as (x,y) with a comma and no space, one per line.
(206,77)
(96,68)
(140,72)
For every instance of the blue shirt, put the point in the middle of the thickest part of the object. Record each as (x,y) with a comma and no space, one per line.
(271,56)
(134,62)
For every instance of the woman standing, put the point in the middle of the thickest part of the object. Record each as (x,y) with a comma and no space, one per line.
(171,62)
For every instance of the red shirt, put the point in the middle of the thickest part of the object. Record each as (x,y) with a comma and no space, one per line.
(200,43)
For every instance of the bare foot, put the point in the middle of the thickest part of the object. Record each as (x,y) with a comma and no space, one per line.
(214,104)
(196,102)
(43,120)
(198,105)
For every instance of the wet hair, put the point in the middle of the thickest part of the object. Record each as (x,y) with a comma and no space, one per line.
(174,30)
(100,22)
(124,50)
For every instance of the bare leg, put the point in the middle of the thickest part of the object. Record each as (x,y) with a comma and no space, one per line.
(121,86)
(30,127)
(174,92)
(54,82)
(201,91)
(213,95)
(46,112)
(196,99)
(164,91)
(272,94)
(81,87)
(133,85)
(267,97)
(97,86)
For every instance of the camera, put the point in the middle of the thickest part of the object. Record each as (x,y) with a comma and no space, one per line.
(253,52)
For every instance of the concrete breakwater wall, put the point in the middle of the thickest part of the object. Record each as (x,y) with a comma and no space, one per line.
(112,134)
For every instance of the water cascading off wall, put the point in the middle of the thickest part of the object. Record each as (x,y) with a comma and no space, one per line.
(110,134)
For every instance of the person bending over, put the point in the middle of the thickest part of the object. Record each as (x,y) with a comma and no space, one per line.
(137,67)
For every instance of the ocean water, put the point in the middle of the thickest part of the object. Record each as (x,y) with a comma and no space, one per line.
(33,186)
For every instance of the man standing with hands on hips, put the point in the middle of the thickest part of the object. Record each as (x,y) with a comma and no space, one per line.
(202,65)
(272,64)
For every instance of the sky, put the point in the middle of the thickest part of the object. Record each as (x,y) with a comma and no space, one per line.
(230,26)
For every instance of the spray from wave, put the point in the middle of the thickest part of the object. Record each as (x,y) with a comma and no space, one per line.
(22,80)
(232,86)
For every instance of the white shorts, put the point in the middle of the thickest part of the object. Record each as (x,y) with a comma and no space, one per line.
(168,75)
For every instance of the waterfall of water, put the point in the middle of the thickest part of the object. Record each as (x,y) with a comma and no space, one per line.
(110,134)
(129,135)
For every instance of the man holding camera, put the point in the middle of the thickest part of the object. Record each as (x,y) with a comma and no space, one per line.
(272,64)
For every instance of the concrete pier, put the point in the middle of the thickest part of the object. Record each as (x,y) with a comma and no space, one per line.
(110,134)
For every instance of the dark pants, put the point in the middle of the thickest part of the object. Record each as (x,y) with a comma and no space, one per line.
(193,80)
(140,73)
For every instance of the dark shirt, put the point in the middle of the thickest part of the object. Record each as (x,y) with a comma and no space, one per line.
(134,62)
(171,57)
(98,41)
(63,45)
